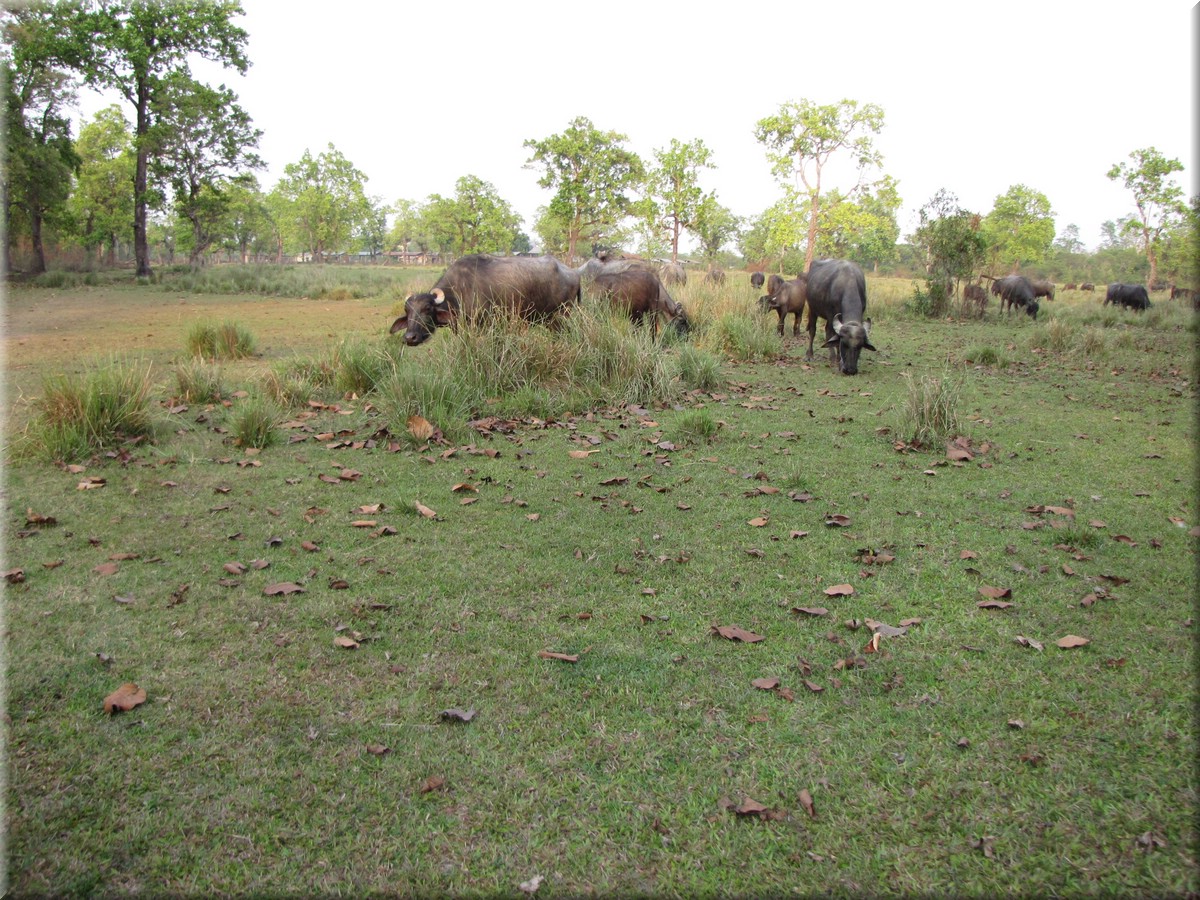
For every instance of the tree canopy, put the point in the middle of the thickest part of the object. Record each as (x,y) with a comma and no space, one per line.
(1020,228)
(1159,200)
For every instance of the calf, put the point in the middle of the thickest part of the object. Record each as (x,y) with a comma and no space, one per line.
(789,299)
(640,293)
(756,279)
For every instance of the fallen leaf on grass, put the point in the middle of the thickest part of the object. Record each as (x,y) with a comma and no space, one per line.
(235,568)
(14,576)
(363,523)
(837,520)
(108,568)
(806,802)
(309,546)
(813,686)
(1070,641)
(872,646)
(32,518)
(995,593)
(89,483)
(458,715)
(581,454)
(378,749)
(1028,642)
(283,587)
(565,657)
(968,554)
(424,510)
(1017,724)
(126,697)
(420,427)
(734,633)
(433,783)
(750,808)
(347,642)
(766,684)
(811,610)
(839,590)
(531,886)
(993,604)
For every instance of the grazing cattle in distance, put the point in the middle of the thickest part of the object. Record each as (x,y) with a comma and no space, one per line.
(974,293)
(673,273)
(757,279)
(1131,296)
(531,287)
(641,293)
(837,293)
(1016,290)
(715,276)
(1071,287)
(788,299)
(1182,293)
(1087,286)
(1043,289)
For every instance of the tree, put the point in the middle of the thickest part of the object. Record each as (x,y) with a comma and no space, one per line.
(953,246)
(714,226)
(1019,229)
(864,229)
(135,47)
(406,226)
(802,137)
(324,202)
(201,140)
(674,190)
(1158,199)
(1181,247)
(592,174)
(478,218)
(1068,241)
(102,203)
(1118,234)
(40,156)
(247,223)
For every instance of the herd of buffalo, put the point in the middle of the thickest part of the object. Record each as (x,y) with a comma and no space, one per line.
(834,290)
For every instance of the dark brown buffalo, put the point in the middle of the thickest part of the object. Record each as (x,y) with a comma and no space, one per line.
(715,276)
(788,299)
(1071,287)
(1015,290)
(641,293)
(837,293)
(673,273)
(1042,288)
(1087,286)
(1183,293)
(531,287)
(756,279)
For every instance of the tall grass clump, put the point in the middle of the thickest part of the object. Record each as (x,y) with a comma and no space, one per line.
(427,391)
(985,355)
(742,336)
(698,369)
(78,415)
(696,426)
(293,382)
(360,367)
(1093,342)
(197,381)
(253,423)
(930,413)
(224,340)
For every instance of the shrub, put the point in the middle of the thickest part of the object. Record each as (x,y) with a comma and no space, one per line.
(697,426)
(698,369)
(1059,335)
(198,382)
(1093,342)
(743,337)
(253,423)
(930,415)
(985,355)
(422,390)
(226,340)
(81,414)
(360,367)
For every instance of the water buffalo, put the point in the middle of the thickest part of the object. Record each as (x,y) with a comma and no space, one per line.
(1015,290)
(1131,296)
(837,293)
(974,293)
(715,276)
(673,273)
(1043,289)
(1087,286)
(789,298)
(640,292)
(1071,287)
(531,287)
(756,279)
(1182,293)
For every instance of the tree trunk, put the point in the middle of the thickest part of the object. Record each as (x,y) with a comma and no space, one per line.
(35,235)
(141,249)
(814,213)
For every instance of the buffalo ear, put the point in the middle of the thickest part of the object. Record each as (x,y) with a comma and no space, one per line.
(443,315)
(401,324)
(833,341)
(868,346)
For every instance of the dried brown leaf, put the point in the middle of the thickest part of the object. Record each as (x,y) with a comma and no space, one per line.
(565,657)
(806,803)
(766,684)
(1070,641)
(124,698)
(839,590)
(995,593)
(283,587)
(811,610)
(734,633)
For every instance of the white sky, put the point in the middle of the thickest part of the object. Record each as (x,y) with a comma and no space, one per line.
(977,97)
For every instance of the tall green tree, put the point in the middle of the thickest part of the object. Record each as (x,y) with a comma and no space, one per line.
(1019,229)
(861,228)
(406,225)
(953,246)
(592,174)
(475,220)
(102,203)
(1159,200)
(247,220)
(802,137)
(673,188)
(1068,241)
(135,47)
(713,226)
(202,140)
(324,202)
(40,156)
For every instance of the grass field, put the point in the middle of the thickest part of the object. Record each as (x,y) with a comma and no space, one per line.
(296,742)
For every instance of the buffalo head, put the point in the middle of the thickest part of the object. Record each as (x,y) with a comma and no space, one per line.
(423,313)
(849,339)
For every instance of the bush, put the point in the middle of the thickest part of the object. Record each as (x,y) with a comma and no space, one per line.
(81,414)
(697,426)
(744,337)
(698,369)
(226,340)
(424,391)
(360,367)
(931,303)
(930,415)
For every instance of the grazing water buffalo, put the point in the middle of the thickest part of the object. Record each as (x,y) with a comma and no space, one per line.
(1183,293)
(756,279)
(1015,290)
(472,285)
(789,298)
(640,292)
(673,273)
(837,293)
(1131,296)
(715,276)
(974,293)
(1087,286)
(1071,287)
(1043,289)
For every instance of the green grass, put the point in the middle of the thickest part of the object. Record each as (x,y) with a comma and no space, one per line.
(248,768)
(219,340)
